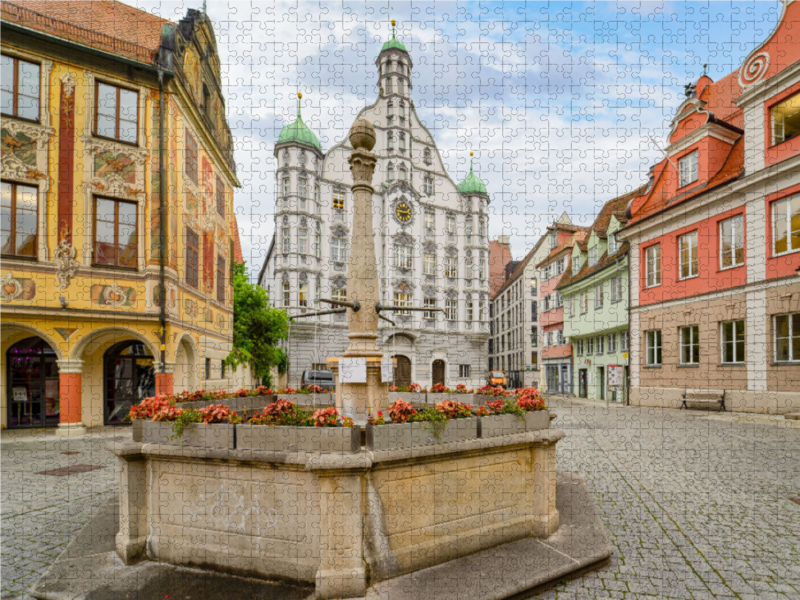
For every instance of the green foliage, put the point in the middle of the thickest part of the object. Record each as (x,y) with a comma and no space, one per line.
(437,419)
(186,418)
(257,328)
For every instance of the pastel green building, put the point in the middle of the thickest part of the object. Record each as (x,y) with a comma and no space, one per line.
(595,295)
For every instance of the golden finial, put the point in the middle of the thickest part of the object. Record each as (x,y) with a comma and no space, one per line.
(472,154)
(299,94)
(394,22)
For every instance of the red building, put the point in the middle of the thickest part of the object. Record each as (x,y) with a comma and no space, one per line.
(715,241)
(556,350)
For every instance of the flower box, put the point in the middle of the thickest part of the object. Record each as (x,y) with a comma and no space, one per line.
(436,398)
(276,438)
(499,425)
(212,435)
(412,397)
(411,435)
(537,419)
(321,400)
(479,400)
(237,404)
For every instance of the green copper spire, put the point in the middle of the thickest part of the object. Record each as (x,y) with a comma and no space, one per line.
(393,43)
(298,132)
(472,183)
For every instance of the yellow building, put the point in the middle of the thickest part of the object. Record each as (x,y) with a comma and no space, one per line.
(91,193)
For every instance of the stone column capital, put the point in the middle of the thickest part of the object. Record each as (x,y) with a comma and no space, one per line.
(69,366)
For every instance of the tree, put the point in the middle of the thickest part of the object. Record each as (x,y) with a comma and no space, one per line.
(257,328)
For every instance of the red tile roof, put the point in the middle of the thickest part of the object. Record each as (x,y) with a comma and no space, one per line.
(499,257)
(101,24)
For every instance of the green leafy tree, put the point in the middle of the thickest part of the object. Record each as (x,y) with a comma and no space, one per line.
(257,328)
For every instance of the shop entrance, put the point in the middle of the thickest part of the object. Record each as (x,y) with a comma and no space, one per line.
(438,372)
(32,384)
(402,374)
(128,376)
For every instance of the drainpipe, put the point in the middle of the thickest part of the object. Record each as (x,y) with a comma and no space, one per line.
(162,233)
(630,341)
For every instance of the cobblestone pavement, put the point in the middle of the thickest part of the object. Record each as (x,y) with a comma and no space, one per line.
(696,507)
(40,514)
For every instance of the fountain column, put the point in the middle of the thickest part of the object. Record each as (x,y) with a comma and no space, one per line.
(359,400)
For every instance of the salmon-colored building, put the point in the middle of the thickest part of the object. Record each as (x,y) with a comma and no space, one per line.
(715,241)
(556,351)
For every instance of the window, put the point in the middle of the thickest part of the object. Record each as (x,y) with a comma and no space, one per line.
(338,200)
(612,243)
(403,258)
(468,227)
(534,337)
(389,87)
(690,345)
(317,244)
(592,256)
(286,294)
(403,173)
(470,312)
(451,267)
(450,310)
(787,338)
(534,316)
(117,113)
(390,142)
(560,266)
(468,267)
(463,371)
(482,268)
(390,112)
(390,172)
(584,302)
(115,237)
(287,240)
(546,273)
(302,241)
(20,216)
(732,336)
(317,196)
(598,296)
(600,343)
(429,222)
(571,306)
(222,369)
(481,311)
(482,227)
(190,159)
(623,341)
(687,251)
(220,189)
(576,264)
(786,225)
(192,258)
(339,294)
(208,368)
(302,185)
(559,301)
(451,225)
(533,287)
(589,346)
(731,242)
(612,343)
(616,288)
(220,279)
(429,264)
(579,348)
(430,304)
(560,337)
(687,169)
(401,138)
(652,256)
(546,304)
(338,249)
(428,160)
(427,185)
(287,186)
(302,294)
(653,348)
(402,300)
(20,88)
(785,119)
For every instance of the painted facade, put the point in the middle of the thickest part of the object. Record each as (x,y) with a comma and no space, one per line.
(431,240)
(81,176)
(715,241)
(595,295)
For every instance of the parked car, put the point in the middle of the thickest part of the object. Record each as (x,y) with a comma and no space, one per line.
(498,378)
(323,379)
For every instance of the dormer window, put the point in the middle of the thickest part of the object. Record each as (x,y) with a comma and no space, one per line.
(592,256)
(687,169)
(785,119)
(576,264)
(612,244)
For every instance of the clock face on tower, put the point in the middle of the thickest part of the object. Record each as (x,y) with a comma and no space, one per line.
(403,212)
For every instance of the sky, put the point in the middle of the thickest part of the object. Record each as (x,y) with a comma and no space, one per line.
(565,104)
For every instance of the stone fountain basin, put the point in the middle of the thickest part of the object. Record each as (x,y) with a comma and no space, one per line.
(338,521)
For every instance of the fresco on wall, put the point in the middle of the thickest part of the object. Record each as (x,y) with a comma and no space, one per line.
(22,146)
(120,164)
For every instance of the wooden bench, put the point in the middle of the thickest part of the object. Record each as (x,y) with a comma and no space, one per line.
(705,397)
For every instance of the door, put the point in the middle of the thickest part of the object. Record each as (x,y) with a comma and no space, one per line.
(552,380)
(582,383)
(601,381)
(402,373)
(566,387)
(32,384)
(438,372)
(129,377)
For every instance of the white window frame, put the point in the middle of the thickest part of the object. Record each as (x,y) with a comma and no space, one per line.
(693,345)
(339,249)
(451,225)
(429,263)
(429,302)
(451,309)
(302,241)
(287,294)
(302,294)
(688,169)
(599,290)
(652,261)
(653,348)
(792,334)
(584,302)
(451,267)
(788,224)
(403,256)
(736,325)
(692,251)
(737,227)
(286,234)
(402,300)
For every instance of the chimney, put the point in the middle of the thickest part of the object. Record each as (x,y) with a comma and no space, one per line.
(503,240)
